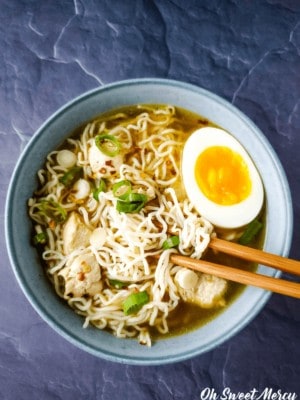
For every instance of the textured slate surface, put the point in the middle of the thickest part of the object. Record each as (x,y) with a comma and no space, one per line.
(246,51)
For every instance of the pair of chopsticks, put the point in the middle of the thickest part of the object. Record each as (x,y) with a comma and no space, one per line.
(246,277)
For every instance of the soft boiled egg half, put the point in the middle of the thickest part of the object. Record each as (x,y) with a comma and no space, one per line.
(220,178)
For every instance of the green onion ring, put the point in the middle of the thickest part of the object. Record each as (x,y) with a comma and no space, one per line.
(121,188)
(108,145)
(134,302)
(71,176)
(99,189)
(172,241)
(131,202)
(40,238)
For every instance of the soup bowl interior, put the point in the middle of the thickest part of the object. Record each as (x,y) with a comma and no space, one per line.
(25,260)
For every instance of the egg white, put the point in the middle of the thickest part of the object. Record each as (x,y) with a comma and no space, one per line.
(222,216)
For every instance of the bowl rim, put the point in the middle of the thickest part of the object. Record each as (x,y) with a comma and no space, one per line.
(37,305)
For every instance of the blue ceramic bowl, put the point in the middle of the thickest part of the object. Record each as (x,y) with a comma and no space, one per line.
(24,258)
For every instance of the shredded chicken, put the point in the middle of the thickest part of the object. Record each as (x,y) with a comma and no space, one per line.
(204,290)
(75,233)
(82,276)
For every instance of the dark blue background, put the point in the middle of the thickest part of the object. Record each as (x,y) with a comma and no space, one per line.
(51,51)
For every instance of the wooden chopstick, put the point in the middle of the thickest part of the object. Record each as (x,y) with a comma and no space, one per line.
(240,276)
(255,255)
(275,285)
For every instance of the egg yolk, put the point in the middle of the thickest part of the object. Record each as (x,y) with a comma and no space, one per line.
(222,175)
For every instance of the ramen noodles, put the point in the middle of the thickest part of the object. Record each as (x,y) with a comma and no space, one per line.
(109,211)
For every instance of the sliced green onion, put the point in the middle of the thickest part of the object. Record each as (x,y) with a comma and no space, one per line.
(40,238)
(99,189)
(121,188)
(52,210)
(133,197)
(71,176)
(108,145)
(250,232)
(135,302)
(172,241)
(118,284)
(129,208)
(131,202)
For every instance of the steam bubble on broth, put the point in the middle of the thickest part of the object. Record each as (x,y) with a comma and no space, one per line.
(97,257)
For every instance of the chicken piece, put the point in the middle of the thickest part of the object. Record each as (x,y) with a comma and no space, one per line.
(82,276)
(210,291)
(103,166)
(98,237)
(75,233)
(205,290)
